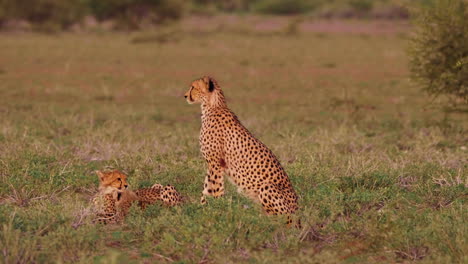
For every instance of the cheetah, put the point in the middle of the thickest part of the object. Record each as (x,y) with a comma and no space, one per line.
(113,201)
(229,148)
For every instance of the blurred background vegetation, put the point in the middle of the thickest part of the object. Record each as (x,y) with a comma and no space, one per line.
(439,49)
(53,15)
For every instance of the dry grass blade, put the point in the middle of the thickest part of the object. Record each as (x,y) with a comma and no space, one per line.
(414,253)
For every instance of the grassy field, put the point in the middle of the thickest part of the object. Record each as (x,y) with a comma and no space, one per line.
(381,172)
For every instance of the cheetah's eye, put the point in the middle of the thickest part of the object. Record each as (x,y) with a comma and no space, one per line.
(119,179)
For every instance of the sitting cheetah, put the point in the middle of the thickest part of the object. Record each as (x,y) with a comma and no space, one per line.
(228,147)
(113,200)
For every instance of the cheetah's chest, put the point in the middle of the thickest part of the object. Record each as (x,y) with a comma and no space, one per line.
(247,161)
(211,138)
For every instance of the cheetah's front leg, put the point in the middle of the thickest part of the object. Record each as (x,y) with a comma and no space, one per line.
(214,182)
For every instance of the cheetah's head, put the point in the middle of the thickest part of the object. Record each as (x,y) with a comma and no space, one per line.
(111,181)
(205,91)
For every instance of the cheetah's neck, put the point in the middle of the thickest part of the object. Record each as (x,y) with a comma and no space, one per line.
(215,100)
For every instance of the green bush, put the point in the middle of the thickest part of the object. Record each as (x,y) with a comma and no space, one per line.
(361,5)
(439,50)
(221,5)
(284,7)
(4,11)
(61,14)
(47,14)
(131,13)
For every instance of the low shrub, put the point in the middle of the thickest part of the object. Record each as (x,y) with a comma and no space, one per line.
(439,50)
(52,15)
(132,13)
(44,14)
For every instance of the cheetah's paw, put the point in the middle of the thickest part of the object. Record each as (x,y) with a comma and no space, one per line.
(203,200)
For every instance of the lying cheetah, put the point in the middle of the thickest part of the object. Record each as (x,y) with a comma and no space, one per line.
(228,147)
(114,201)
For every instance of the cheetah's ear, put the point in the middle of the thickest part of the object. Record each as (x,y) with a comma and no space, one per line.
(211,85)
(100,175)
(210,82)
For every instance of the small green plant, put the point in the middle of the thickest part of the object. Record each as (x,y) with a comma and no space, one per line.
(439,50)
(16,246)
(362,6)
(293,27)
(283,7)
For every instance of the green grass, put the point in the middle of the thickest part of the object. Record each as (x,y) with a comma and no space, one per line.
(381,173)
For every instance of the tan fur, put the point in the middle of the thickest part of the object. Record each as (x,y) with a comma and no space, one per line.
(110,181)
(168,195)
(229,148)
(113,199)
